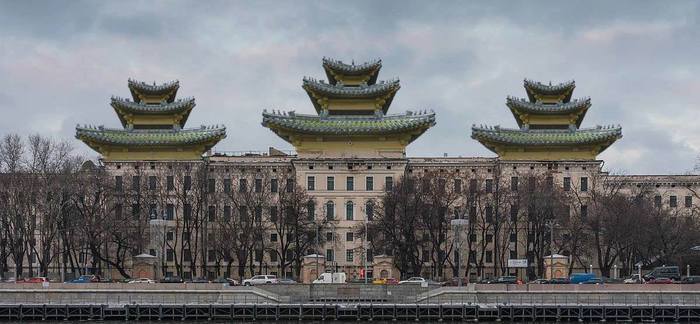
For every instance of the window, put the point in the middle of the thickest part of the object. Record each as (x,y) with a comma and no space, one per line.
(330,183)
(187,183)
(242,185)
(187,254)
(227,213)
(514,184)
(369,183)
(458,186)
(211,185)
(349,210)
(290,185)
(169,236)
(151,182)
(311,209)
(258,185)
(513,214)
(273,214)
(329,236)
(513,237)
(488,256)
(227,185)
(673,201)
(273,185)
(170,183)
(549,182)
(273,237)
(170,255)
(243,213)
(657,201)
(472,185)
(329,255)
(211,213)
(135,183)
(258,256)
(258,214)
(330,210)
(688,201)
(369,210)
(187,212)
(169,212)
(273,256)
(310,183)
(489,185)
(118,211)
(489,214)
(513,254)
(389,183)
(370,257)
(349,236)
(584,211)
(211,256)
(584,184)
(350,183)
(441,185)
(118,183)
(349,255)
(135,210)
(567,183)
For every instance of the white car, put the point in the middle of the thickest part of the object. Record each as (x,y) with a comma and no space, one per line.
(412,280)
(142,280)
(260,280)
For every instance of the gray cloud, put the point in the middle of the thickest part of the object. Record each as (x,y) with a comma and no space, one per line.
(60,62)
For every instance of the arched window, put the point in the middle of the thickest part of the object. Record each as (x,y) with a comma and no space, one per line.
(349,210)
(330,210)
(369,210)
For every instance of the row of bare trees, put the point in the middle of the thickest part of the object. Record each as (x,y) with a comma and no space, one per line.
(604,222)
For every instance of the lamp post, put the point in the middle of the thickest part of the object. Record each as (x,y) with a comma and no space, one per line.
(551,224)
(364,243)
(456,225)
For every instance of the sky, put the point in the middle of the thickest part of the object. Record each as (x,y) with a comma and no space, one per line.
(61,61)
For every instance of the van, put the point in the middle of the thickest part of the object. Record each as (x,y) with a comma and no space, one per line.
(331,278)
(578,278)
(671,272)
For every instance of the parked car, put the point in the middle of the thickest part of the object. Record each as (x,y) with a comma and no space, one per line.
(690,280)
(287,281)
(34,280)
(171,280)
(507,280)
(539,281)
(454,282)
(577,278)
(660,281)
(229,281)
(412,280)
(559,281)
(633,279)
(593,281)
(261,280)
(85,279)
(671,272)
(392,281)
(142,281)
(199,280)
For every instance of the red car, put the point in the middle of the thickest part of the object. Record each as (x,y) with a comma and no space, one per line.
(34,280)
(392,281)
(660,281)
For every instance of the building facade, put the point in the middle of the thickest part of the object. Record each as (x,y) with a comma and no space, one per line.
(346,159)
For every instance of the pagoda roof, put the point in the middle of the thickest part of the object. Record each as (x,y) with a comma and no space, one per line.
(95,136)
(319,89)
(122,106)
(167,88)
(522,106)
(534,88)
(337,67)
(546,137)
(293,123)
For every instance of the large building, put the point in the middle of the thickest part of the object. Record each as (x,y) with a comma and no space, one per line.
(346,158)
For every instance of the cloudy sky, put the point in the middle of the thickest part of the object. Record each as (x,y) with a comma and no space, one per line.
(60,61)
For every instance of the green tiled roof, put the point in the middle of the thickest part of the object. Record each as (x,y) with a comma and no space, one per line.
(536,108)
(166,108)
(533,87)
(348,125)
(347,92)
(153,89)
(150,137)
(339,67)
(547,137)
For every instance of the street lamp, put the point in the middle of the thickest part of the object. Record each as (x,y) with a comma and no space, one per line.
(456,225)
(551,224)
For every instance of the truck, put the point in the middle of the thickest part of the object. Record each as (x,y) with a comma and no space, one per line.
(331,278)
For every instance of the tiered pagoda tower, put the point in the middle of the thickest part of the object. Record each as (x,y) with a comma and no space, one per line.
(549,130)
(153,127)
(352,119)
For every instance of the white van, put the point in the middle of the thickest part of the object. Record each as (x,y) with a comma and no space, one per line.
(331,278)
